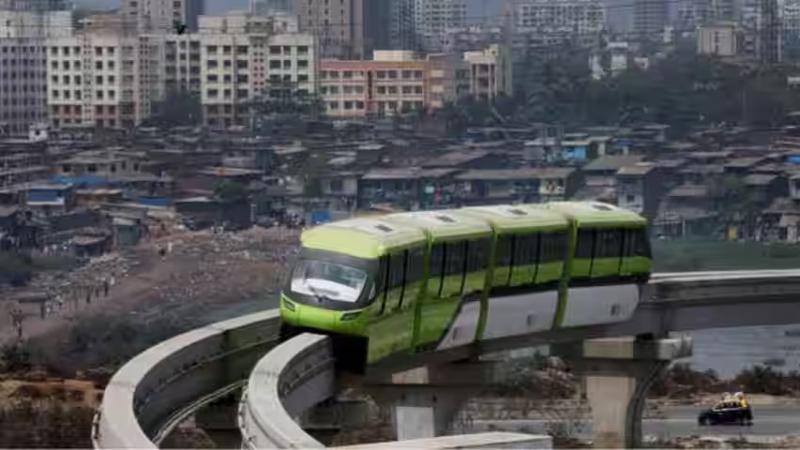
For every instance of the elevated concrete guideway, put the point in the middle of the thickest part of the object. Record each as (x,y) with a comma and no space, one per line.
(160,387)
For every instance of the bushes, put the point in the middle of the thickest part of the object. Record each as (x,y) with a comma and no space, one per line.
(682,381)
(15,269)
(45,423)
(766,380)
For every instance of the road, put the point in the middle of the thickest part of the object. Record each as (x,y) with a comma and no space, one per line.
(679,421)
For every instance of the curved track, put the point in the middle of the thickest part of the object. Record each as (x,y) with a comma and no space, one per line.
(168,382)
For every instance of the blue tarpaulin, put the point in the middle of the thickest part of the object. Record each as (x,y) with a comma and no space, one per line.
(318,217)
(81,181)
(154,201)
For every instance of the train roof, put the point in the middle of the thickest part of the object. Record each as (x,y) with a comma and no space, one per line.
(513,218)
(363,238)
(597,214)
(443,225)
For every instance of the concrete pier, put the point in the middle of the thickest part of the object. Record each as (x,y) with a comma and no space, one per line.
(618,372)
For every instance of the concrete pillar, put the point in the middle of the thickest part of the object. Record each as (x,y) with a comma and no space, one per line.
(618,373)
(420,414)
(424,401)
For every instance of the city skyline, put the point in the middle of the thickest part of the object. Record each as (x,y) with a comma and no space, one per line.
(476,8)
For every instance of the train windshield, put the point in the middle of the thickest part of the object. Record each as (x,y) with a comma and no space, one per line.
(329,281)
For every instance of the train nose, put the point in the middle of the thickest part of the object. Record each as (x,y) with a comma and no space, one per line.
(312,317)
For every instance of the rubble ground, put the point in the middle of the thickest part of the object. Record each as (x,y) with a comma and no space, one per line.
(204,271)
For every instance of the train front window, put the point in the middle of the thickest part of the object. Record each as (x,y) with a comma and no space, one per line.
(329,281)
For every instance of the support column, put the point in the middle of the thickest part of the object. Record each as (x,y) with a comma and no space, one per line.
(424,413)
(425,400)
(618,373)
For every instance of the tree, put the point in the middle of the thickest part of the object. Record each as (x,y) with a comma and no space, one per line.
(230,192)
(179,108)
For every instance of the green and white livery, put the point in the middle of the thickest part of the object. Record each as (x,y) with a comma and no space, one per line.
(428,280)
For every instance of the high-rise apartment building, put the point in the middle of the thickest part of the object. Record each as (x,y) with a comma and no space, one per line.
(346,28)
(24,28)
(33,5)
(163,15)
(402,30)
(576,16)
(696,13)
(790,16)
(113,75)
(770,35)
(239,67)
(94,76)
(268,7)
(650,17)
(432,18)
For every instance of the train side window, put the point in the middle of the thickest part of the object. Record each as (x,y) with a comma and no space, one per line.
(554,247)
(526,250)
(640,244)
(397,268)
(585,244)
(455,258)
(503,252)
(415,268)
(478,255)
(382,282)
(608,244)
(437,270)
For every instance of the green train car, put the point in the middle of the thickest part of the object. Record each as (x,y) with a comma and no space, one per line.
(430,280)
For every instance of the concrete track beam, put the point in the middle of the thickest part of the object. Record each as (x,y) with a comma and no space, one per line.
(618,372)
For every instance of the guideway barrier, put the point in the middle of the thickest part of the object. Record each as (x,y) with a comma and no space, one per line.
(159,388)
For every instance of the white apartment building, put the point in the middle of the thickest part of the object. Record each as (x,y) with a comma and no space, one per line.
(432,18)
(490,72)
(719,39)
(94,77)
(161,15)
(23,72)
(238,23)
(241,63)
(575,16)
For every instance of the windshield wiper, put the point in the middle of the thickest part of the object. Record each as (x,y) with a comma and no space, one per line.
(320,296)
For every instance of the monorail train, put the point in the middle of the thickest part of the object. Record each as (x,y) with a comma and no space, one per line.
(429,280)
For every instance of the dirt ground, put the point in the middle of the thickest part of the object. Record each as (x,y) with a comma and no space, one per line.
(199,268)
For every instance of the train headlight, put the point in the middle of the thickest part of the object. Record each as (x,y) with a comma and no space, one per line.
(289,305)
(346,317)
